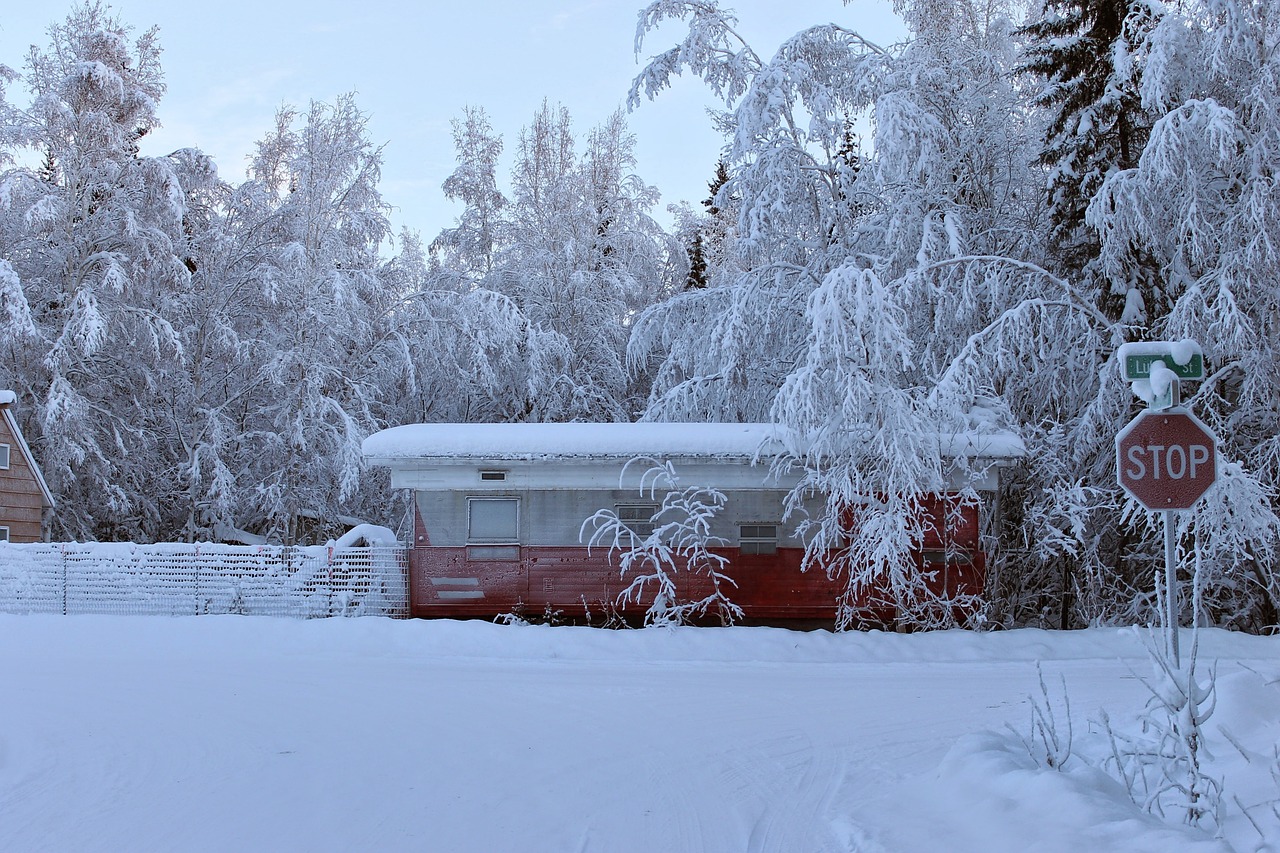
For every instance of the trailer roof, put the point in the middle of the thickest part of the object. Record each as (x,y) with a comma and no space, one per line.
(524,441)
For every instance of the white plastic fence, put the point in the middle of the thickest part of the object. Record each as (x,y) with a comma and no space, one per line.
(179,579)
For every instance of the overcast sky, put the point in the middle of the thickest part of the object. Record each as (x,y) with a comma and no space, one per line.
(414,66)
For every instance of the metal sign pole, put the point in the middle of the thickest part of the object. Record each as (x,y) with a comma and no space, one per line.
(1171,583)
(1171,555)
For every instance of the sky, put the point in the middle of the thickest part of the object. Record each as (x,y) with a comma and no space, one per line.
(230,66)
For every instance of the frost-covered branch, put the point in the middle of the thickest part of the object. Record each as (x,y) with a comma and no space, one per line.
(671,565)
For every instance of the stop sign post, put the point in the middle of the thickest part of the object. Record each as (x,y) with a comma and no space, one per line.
(1166,459)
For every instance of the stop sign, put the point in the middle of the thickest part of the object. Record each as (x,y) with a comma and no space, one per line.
(1166,459)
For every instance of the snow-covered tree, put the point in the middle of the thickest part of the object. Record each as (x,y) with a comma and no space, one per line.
(470,247)
(924,279)
(97,241)
(575,251)
(1201,201)
(866,275)
(560,265)
(314,182)
(473,356)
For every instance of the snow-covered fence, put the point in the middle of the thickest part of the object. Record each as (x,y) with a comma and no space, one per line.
(180,579)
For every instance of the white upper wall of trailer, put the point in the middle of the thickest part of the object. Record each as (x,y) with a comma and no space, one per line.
(599,474)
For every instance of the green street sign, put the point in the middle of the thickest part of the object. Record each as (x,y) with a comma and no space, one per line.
(1138,366)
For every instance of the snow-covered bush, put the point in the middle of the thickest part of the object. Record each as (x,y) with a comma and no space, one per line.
(1049,741)
(1162,764)
(662,563)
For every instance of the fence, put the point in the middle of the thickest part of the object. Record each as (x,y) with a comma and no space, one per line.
(179,579)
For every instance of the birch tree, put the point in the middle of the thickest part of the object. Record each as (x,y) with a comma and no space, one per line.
(574,251)
(868,274)
(315,177)
(96,239)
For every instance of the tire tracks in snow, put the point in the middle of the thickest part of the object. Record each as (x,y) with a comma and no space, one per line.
(786,788)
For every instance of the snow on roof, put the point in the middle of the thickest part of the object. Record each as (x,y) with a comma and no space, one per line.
(7,398)
(571,441)
(523,441)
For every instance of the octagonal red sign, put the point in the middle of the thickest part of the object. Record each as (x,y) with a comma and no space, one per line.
(1166,459)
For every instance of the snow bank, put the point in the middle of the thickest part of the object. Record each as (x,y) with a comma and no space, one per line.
(991,795)
(372,534)
(231,733)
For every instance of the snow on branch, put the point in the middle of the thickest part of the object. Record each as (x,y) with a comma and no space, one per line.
(667,562)
(712,49)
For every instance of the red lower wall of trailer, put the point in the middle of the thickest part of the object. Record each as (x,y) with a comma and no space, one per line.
(459,582)
(444,582)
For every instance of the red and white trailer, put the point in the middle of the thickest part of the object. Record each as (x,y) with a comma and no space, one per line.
(499,512)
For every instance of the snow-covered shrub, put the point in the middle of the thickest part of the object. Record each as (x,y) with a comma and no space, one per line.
(678,545)
(1049,741)
(1162,766)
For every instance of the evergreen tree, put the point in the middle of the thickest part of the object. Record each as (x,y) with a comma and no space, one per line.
(1087,53)
(697,278)
(709,232)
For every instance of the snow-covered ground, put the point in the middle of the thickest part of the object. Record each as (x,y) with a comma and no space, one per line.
(248,733)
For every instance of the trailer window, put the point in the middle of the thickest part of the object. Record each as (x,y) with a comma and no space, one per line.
(758,539)
(493,520)
(4,534)
(4,456)
(638,517)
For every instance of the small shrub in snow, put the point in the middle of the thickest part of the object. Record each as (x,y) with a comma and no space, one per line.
(1049,742)
(606,615)
(1269,807)
(1162,765)
(515,617)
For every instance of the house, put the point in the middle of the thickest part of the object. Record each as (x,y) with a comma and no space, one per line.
(499,512)
(24,495)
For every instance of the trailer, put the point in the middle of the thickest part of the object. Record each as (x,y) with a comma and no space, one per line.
(501,518)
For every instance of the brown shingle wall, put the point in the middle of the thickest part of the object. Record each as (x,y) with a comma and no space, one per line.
(20,499)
